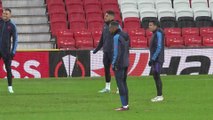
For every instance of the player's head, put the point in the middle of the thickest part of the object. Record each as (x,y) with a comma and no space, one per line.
(109,16)
(6,14)
(153,25)
(113,27)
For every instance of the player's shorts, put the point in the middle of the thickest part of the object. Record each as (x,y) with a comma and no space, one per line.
(156,67)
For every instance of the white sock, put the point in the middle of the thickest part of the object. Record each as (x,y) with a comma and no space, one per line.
(108,86)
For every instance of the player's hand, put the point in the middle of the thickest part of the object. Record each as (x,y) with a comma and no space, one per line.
(151,62)
(114,68)
(94,52)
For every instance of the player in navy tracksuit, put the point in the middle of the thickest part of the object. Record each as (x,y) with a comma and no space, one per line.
(120,62)
(106,42)
(156,57)
(8,31)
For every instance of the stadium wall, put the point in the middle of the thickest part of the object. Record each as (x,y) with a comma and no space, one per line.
(81,63)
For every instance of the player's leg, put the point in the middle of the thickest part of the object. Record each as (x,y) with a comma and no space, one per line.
(125,84)
(107,64)
(119,75)
(7,62)
(156,75)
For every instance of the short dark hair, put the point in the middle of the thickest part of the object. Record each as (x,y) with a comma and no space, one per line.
(8,9)
(114,24)
(110,12)
(155,22)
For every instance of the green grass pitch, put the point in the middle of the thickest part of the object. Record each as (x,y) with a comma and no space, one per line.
(186,98)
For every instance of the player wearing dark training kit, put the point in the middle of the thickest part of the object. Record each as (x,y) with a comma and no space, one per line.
(156,57)
(8,38)
(120,63)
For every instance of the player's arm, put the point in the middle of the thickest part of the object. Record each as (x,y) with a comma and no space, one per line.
(15,39)
(159,46)
(115,50)
(100,44)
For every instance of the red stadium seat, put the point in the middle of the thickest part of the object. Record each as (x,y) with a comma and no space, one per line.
(75,15)
(83,39)
(54,1)
(148,33)
(95,24)
(193,41)
(57,26)
(172,31)
(190,31)
(148,40)
(92,4)
(54,7)
(60,15)
(110,7)
(113,7)
(174,41)
(1,10)
(138,42)
(136,32)
(137,36)
(131,22)
(96,34)
(75,8)
(65,40)
(206,31)
(208,40)
(94,14)
(73,2)
(77,25)
(103,2)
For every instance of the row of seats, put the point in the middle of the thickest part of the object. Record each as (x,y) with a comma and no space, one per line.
(163,10)
(140,38)
(83,39)
(174,37)
(167,22)
(81,14)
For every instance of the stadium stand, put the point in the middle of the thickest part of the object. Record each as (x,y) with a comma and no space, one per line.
(185,22)
(32,23)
